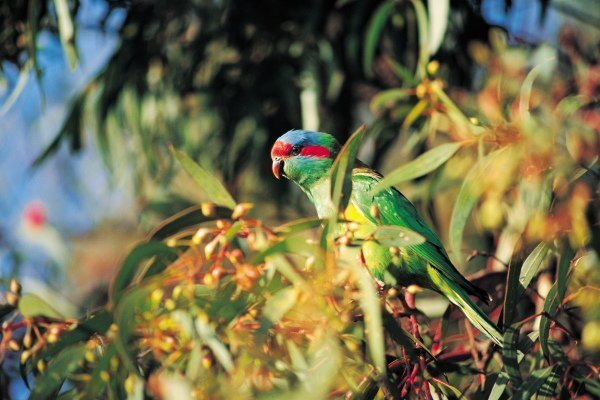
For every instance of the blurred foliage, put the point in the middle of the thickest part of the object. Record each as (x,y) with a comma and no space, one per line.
(221,80)
(217,304)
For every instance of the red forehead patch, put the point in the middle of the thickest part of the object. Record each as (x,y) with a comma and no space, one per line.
(281,149)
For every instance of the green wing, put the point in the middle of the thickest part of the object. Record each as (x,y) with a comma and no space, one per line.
(397,210)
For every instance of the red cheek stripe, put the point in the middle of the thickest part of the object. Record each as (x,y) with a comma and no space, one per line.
(281,149)
(316,151)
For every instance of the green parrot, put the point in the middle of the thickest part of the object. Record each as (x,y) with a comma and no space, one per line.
(306,157)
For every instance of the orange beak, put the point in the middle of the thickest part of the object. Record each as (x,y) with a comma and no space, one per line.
(277,167)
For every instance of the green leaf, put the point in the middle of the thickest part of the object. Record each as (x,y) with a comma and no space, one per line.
(210,338)
(131,266)
(185,219)
(512,294)
(530,386)
(471,190)
(499,386)
(399,335)
(277,306)
(414,113)
(371,306)
(531,265)
(422,165)
(341,171)
(126,314)
(388,98)
(374,30)
(31,305)
(97,385)
(554,299)
(66,30)
(423,28)
(96,324)
(439,11)
(527,87)
(205,180)
(510,356)
(391,235)
(59,368)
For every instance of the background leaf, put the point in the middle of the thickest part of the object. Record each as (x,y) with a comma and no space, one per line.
(420,166)
(206,181)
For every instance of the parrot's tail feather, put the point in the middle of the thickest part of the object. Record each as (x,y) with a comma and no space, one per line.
(458,296)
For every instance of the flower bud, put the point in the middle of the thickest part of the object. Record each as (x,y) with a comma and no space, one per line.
(208,209)
(241,210)
(41,366)
(15,286)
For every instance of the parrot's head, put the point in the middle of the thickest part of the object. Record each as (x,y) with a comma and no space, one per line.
(304,156)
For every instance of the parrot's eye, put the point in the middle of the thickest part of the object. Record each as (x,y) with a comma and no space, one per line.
(296,150)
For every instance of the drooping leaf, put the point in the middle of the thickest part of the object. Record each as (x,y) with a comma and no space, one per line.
(341,171)
(471,190)
(439,11)
(376,25)
(66,29)
(131,266)
(420,166)
(423,29)
(59,368)
(371,306)
(527,87)
(206,181)
(31,305)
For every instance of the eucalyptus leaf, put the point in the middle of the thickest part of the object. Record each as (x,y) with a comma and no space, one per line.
(371,306)
(391,235)
(420,166)
(376,25)
(31,305)
(206,181)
